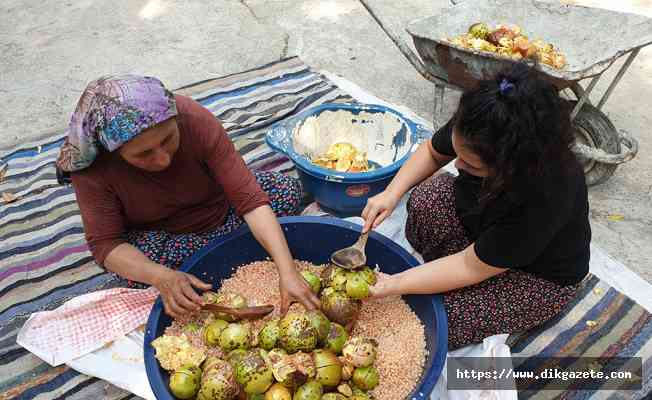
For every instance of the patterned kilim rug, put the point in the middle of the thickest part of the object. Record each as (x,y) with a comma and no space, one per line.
(44,260)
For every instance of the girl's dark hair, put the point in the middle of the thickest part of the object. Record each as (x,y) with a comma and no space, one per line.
(519,126)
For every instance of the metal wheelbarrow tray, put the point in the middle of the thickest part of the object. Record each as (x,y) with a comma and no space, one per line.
(592,39)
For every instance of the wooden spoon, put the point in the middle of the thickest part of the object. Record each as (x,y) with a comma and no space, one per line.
(254,312)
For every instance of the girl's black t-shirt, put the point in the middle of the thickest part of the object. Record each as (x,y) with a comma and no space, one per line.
(541,228)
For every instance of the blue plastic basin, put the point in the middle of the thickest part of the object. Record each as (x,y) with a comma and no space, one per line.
(341,193)
(311,239)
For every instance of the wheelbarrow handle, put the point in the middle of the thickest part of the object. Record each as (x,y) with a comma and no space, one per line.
(628,151)
(403,47)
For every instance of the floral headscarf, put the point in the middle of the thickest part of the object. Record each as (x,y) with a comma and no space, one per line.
(111,111)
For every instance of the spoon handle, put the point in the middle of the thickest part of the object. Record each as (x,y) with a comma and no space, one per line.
(263,310)
(362,241)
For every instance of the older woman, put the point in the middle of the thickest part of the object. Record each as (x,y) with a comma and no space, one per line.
(506,241)
(157,178)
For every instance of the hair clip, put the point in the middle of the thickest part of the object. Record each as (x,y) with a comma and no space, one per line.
(506,86)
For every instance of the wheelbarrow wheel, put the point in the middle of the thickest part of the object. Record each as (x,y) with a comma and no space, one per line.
(594,129)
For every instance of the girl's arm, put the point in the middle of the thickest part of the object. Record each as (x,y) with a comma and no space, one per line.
(423,163)
(442,275)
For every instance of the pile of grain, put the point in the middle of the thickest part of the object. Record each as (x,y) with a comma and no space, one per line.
(390,321)
(401,345)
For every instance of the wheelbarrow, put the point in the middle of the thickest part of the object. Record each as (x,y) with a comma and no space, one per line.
(592,39)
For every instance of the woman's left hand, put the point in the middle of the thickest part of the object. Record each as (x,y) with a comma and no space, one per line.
(294,288)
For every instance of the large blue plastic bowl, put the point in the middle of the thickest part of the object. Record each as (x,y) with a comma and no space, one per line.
(310,239)
(342,193)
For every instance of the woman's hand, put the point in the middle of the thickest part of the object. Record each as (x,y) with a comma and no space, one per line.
(176,288)
(294,288)
(268,232)
(378,208)
(386,285)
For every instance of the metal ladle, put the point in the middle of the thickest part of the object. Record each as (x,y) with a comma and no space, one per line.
(351,257)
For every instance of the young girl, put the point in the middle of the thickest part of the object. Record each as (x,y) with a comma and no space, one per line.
(507,241)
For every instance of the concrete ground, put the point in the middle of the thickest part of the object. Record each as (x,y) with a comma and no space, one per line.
(50,50)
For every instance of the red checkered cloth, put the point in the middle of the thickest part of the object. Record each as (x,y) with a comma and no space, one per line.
(86,323)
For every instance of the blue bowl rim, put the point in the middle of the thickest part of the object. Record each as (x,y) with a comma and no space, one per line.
(417,133)
(428,381)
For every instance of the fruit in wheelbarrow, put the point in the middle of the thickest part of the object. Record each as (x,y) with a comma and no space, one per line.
(479,30)
(524,47)
(546,54)
(213,330)
(329,368)
(510,41)
(461,40)
(506,42)
(278,392)
(339,307)
(360,352)
(296,333)
(313,280)
(558,60)
(173,352)
(498,34)
(321,324)
(481,44)
(357,287)
(235,336)
(311,390)
(366,378)
(336,338)
(218,382)
(253,373)
(184,382)
(268,336)
(513,28)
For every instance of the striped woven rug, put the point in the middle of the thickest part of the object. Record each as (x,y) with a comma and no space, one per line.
(44,260)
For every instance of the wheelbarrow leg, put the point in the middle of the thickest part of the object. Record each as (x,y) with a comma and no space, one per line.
(619,75)
(438,109)
(585,97)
